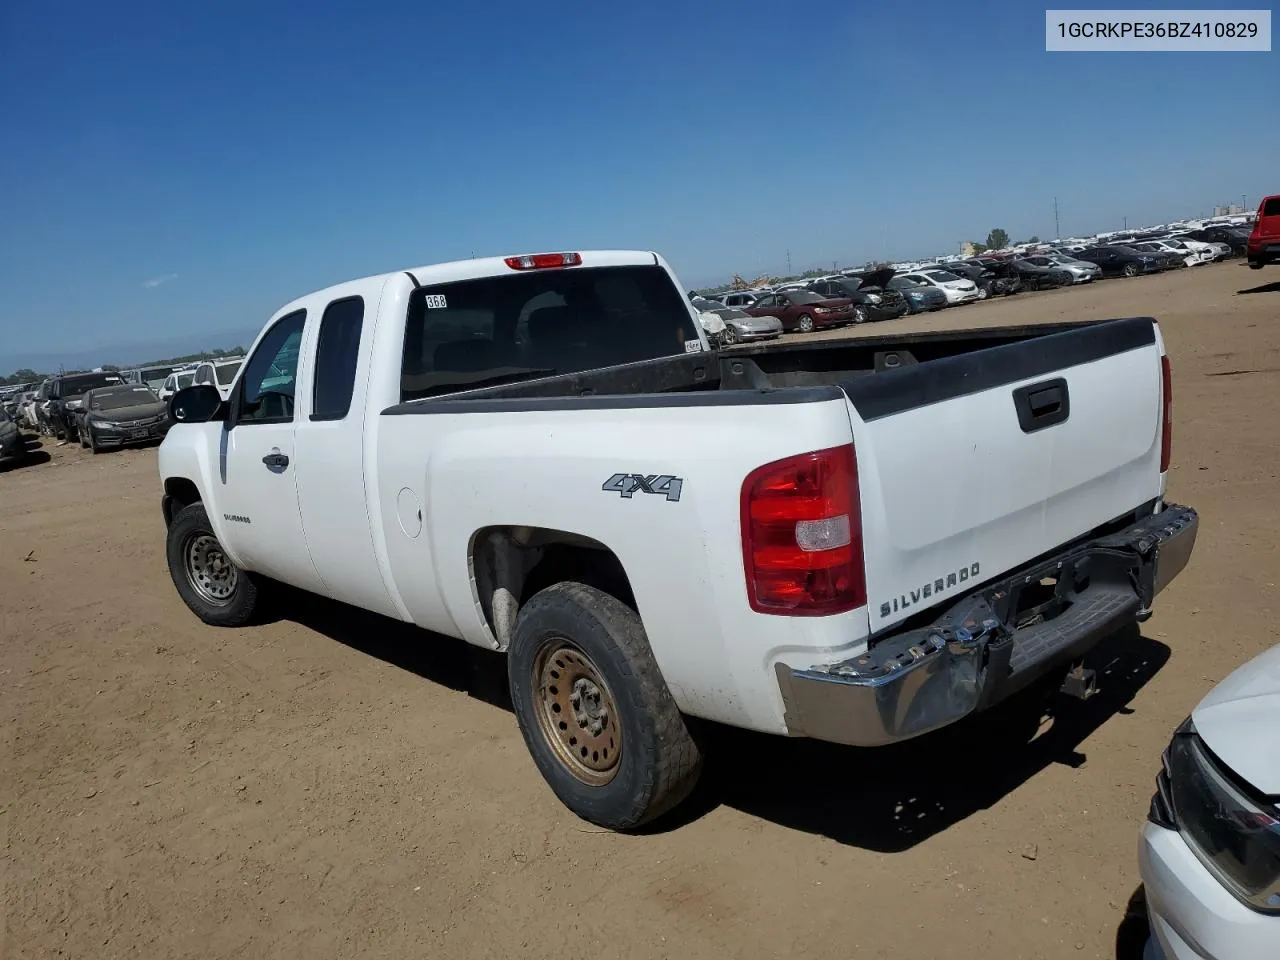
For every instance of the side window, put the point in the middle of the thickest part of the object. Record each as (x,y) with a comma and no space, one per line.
(272,373)
(337,349)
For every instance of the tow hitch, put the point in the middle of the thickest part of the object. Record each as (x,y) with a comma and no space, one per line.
(1081,682)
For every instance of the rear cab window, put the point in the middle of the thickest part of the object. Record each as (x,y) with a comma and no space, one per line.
(336,354)
(502,329)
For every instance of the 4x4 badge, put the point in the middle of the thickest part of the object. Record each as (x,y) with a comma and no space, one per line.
(627,484)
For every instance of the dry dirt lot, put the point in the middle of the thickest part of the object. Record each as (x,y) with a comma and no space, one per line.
(336,785)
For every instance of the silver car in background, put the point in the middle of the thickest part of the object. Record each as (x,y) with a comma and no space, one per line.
(739,326)
(1081,270)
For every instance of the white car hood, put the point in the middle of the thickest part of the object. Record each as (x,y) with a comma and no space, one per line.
(1240,721)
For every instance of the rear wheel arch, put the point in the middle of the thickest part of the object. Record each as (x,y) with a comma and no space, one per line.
(509,564)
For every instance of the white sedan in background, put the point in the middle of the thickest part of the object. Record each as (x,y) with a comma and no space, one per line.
(957,289)
(1210,851)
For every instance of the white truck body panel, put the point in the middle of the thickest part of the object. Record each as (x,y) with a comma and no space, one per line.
(381,508)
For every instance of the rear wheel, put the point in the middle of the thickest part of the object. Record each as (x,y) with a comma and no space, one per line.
(594,710)
(805,323)
(984,292)
(216,590)
(1130,269)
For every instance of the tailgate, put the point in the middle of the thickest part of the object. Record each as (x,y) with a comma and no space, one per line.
(970,466)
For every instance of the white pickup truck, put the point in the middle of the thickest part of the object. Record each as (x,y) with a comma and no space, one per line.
(857,540)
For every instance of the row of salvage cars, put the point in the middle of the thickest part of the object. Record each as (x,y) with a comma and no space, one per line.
(861,296)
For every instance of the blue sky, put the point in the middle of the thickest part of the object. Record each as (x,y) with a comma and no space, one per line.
(173,167)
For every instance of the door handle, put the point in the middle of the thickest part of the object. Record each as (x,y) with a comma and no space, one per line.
(1042,404)
(276,461)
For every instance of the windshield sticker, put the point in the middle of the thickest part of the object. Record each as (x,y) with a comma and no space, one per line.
(436,301)
(692,346)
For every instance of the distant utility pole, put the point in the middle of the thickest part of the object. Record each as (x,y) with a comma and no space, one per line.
(1243,205)
(788,263)
(1126,223)
(1057,231)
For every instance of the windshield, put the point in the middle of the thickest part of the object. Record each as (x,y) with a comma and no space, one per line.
(185,379)
(476,333)
(803,296)
(942,276)
(116,398)
(227,372)
(74,386)
(903,283)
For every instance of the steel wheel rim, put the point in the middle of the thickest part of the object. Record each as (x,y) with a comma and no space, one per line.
(577,713)
(209,570)
(806,324)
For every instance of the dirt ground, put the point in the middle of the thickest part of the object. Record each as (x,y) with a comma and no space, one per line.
(336,785)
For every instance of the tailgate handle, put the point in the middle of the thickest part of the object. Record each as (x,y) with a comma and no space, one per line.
(1042,404)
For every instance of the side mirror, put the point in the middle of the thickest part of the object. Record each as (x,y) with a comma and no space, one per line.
(199,403)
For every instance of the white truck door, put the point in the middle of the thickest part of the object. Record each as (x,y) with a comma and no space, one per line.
(259,494)
(330,443)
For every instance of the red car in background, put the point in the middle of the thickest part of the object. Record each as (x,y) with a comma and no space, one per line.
(803,310)
(1264,241)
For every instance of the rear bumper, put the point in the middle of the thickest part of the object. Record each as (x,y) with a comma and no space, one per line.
(1268,252)
(991,644)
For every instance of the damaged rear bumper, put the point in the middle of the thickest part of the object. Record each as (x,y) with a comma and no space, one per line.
(994,642)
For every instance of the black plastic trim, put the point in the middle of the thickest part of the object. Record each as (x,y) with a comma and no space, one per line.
(416,284)
(908,388)
(1042,404)
(634,401)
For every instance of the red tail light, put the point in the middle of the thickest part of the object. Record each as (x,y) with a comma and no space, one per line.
(802,535)
(1166,413)
(541,261)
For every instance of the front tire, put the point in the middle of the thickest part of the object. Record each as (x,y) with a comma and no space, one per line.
(805,323)
(984,293)
(859,313)
(729,337)
(216,590)
(594,710)
(93,443)
(1130,269)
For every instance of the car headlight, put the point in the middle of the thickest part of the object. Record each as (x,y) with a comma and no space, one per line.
(1235,834)
(873,298)
(74,404)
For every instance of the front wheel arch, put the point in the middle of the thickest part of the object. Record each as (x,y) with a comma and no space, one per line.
(179,492)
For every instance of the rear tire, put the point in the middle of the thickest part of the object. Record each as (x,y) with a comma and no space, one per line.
(216,590)
(805,323)
(1130,269)
(584,683)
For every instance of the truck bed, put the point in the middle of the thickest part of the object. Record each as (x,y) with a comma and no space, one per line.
(909,370)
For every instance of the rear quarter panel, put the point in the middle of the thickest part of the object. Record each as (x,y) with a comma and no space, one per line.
(546,468)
